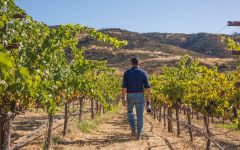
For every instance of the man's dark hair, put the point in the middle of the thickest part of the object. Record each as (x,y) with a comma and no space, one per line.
(135,61)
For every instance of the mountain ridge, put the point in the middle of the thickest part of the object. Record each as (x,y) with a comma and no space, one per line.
(159,49)
(206,43)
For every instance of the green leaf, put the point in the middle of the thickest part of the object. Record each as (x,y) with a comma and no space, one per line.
(24,72)
(1,24)
(6,60)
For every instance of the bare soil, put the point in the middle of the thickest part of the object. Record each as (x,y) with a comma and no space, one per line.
(114,134)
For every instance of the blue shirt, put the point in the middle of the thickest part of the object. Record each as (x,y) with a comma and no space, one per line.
(135,80)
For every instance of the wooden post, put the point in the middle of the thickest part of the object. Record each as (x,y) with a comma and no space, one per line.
(5,140)
(81,108)
(192,113)
(160,113)
(66,118)
(189,124)
(154,112)
(49,132)
(170,125)
(177,118)
(100,109)
(97,107)
(92,109)
(206,122)
(103,110)
(164,116)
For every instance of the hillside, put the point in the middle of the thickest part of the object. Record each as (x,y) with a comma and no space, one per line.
(160,49)
(205,43)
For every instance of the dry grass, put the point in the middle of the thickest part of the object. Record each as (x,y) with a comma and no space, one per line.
(152,59)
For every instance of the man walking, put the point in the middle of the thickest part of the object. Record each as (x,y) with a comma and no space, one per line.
(135,80)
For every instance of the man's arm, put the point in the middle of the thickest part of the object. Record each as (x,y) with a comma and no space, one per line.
(124,91)
(147,87)
(148,94)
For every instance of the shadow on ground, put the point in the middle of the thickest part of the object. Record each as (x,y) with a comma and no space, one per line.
(99,143)
(229,145)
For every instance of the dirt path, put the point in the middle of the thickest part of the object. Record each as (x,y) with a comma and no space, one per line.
(115,135)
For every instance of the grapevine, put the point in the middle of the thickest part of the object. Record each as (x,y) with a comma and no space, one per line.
(36,70)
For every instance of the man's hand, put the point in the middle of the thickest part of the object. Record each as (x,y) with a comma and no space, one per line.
(148,107)
(148,98)
(123,101)
(124,91)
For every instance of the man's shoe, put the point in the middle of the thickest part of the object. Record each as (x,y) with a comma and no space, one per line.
(139,137)
(133,132)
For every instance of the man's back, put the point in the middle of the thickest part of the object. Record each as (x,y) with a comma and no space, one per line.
(135,80)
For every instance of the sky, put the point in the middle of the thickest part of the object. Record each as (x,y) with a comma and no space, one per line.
(172,16)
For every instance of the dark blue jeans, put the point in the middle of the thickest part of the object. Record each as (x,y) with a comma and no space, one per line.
(137,100)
